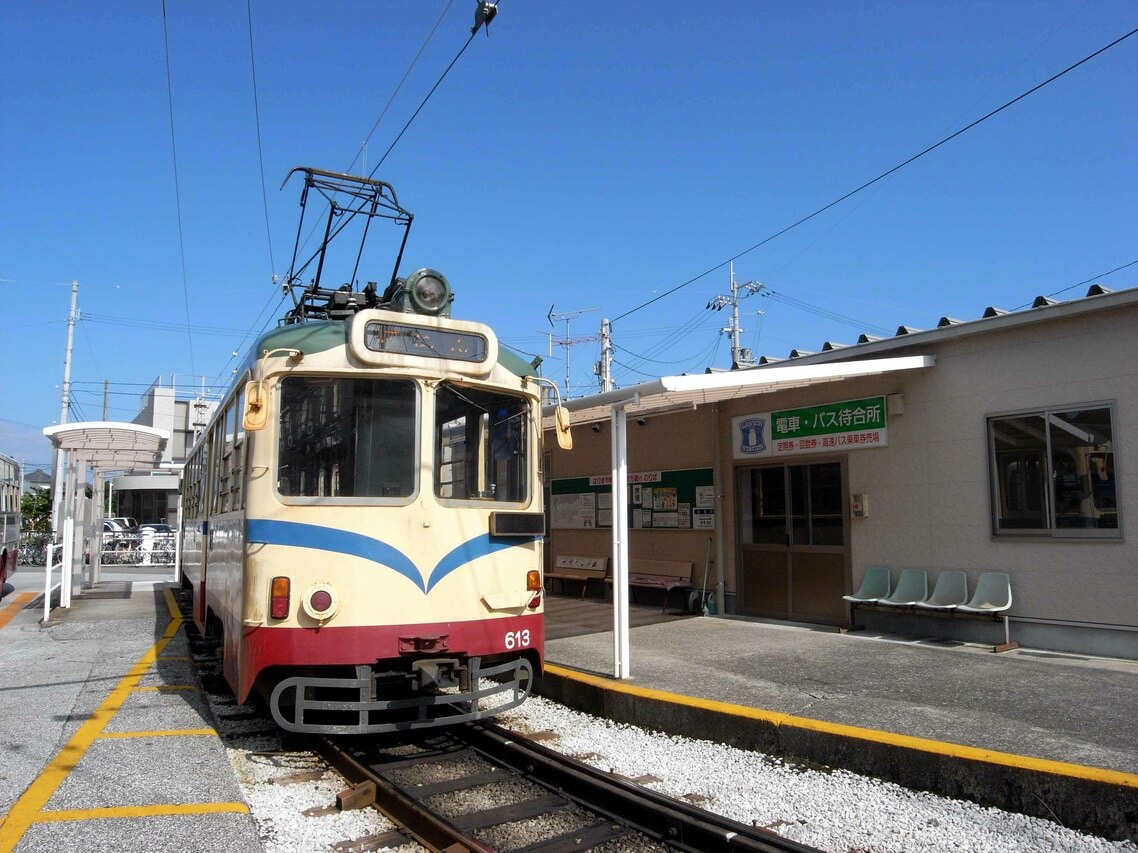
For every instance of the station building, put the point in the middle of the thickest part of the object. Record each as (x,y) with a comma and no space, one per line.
(1001,444)
(152,496)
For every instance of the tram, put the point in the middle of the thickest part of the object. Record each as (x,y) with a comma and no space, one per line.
(362,517)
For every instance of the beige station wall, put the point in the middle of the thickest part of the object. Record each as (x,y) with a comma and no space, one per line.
(670,442)
(929,490)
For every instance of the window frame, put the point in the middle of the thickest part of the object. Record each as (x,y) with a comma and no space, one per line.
(1050,531)
(442,465)
(291,499)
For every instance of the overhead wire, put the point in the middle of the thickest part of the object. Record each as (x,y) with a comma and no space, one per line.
(158,325)
(882,176)
(419,109)
(399,86)
(802,305)
(1090,280)
(260,148)
(177,188)
(387,106)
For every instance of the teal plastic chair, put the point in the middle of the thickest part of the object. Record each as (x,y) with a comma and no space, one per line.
(874,586)
(993,594)
(912,586)
(950,592)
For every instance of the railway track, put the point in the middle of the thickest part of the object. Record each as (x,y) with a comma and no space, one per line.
(479,787)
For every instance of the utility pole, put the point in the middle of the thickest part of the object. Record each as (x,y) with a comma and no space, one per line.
(57,474)
(739,356)
(567,341)
(603,368)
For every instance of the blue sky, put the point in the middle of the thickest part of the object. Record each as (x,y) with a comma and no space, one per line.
(588,157)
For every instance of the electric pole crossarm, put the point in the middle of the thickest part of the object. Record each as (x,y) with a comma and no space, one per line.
(738,291)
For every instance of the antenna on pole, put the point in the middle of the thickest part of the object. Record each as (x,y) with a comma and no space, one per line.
(739,357)
(567,341)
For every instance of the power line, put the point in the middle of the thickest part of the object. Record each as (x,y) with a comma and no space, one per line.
(158,325)
(177,190)
(260,150)
(473,33)
(883,175)
(483,6)
(1090,280)
(399,87)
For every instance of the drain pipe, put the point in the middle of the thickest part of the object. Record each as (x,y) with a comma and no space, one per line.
(720,521)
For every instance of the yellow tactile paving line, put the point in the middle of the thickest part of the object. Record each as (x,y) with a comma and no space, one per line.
(29,809)
(8,611)
(953,750)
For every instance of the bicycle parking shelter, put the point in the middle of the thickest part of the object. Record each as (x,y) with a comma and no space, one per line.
(102,447)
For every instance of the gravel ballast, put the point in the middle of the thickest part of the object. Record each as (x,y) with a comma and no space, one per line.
(833,810)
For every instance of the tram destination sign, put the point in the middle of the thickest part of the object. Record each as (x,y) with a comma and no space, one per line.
(826,428)
(424,341)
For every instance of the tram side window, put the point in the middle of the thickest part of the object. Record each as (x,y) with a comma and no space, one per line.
(1053,472)
(481,445)
(220,474)
(347,438)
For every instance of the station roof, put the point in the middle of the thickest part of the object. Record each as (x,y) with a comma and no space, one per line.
(679,393)
(110,445)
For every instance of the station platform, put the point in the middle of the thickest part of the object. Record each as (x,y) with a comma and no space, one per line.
(103,714)
(1041,733)
(107,739)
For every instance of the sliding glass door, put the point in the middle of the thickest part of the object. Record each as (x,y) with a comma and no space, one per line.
(793,541)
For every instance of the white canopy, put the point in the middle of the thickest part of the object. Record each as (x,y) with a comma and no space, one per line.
(102,446)
(110,445)
(678,393)
(674,393)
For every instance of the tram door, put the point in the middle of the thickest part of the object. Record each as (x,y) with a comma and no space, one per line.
(793,541)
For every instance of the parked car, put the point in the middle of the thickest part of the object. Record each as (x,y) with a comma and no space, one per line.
(116,534)
(153,527)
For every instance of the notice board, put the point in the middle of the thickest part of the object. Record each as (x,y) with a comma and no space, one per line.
(665,500)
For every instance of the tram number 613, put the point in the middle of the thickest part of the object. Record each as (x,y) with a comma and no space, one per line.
(517,639)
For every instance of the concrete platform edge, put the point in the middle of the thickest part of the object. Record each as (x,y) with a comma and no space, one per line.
(1106,807)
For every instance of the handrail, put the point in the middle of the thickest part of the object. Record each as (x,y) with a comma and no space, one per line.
(49,564)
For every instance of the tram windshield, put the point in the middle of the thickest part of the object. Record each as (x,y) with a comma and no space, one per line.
(347,438)
(481,444)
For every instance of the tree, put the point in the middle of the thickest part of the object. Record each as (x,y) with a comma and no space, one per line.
(35,506)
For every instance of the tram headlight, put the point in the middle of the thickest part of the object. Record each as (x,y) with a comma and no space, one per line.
(427,291)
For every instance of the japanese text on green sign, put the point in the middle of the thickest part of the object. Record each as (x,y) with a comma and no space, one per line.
(829,419)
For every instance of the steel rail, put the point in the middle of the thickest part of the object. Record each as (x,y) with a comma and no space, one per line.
(429,829)
(674,822)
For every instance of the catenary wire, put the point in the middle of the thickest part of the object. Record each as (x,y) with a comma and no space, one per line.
(383,112)
(260,147)
(882,176)
(177,190)
(418,109)
(1090,280)
(399,87)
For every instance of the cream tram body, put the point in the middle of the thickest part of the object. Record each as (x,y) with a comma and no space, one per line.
(363,524)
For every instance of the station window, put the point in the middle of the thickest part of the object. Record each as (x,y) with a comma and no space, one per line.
(1053,472)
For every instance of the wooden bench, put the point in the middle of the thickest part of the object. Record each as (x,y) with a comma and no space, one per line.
(667,575)
(583,569)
